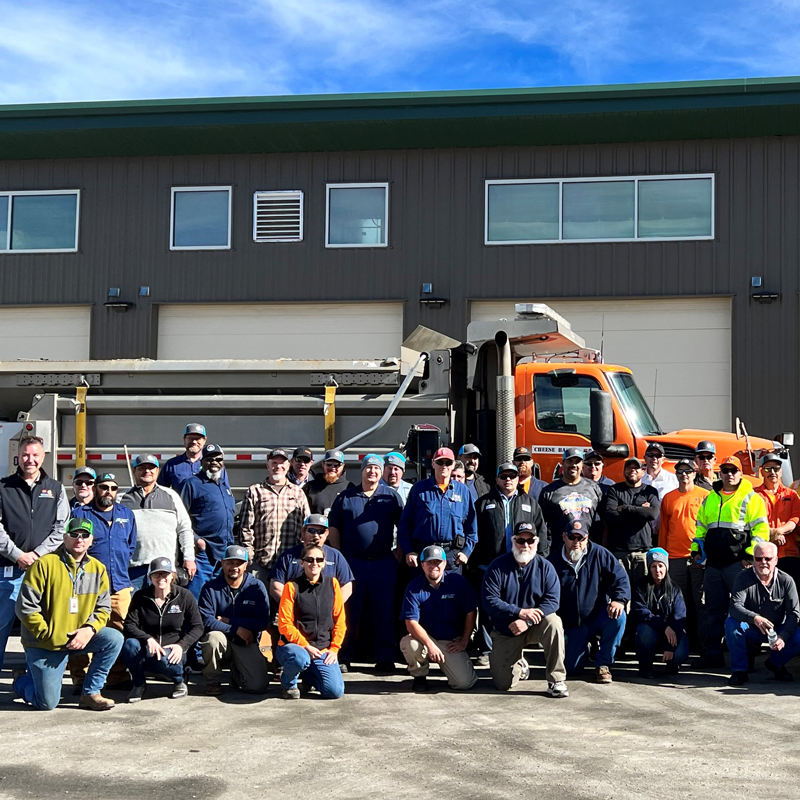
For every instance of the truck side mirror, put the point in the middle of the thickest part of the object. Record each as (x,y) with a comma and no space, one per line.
(602,420)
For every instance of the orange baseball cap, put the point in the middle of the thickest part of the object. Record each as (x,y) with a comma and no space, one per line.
(732,460)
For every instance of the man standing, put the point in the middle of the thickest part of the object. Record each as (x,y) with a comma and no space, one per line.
(362,523)
(631,508)
(393,470)
(64,605)
(528,483)
(705,459)
(594,594)
(655,475)
(521,594)
(441,512)
(113,545)
(33,516)
(272,516)
(764,609)
(300,468)
(179,469)
(82,486)
(571,496)
(783,510)
(439,610)
(234,609)
(471,456)
(730,522)
(210,504)
(162,525)
(325,488)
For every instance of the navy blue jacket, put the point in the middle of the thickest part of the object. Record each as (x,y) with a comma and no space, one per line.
(509,586)
(114,540)
(211,506)
(177,471)
(249,609)
(599,580)
(433,517)
(667,611)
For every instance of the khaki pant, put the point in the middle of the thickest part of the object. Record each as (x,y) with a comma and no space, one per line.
(635,564)
(507,651)
(457,667)
(248,666)
(78,664)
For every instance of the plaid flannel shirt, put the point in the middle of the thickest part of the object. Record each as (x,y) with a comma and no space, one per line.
(272,519)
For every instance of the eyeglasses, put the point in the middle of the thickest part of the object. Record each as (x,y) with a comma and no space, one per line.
(763,558)
(524,540)
(147,467)
(215,460)
(83,483)
(302,460)
(593,464)
(575,537)
(729,470)
(522,458)
(654,455)
(444,462)
(704,456)
(105,487)
(317,531)
(312,560)
(79,535)
(770,469)
(508,476)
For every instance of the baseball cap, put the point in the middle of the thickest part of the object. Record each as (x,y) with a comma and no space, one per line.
(658,555)
(469,449)
(572,452)
(524,527)
(80,525)
(316,519)
(521,453)
(684,463)
(508,466)
(767,457)
(334,455)
(108,477)
(395,459)
(444,452)
(371,460)
(278,452)
(576,526)
(432,553)
(211,450)
(634,460)
(655,446)
(302,452)
(161,564)
(84,471)
(195,427)
(593,455)
(705,447)
(145,458)
(732,460)
(235,552)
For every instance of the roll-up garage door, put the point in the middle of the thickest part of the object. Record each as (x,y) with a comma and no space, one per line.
(54,333)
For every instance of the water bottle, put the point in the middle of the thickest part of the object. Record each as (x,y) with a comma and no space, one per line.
(772,637)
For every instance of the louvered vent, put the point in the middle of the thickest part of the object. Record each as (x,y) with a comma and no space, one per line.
(278,216)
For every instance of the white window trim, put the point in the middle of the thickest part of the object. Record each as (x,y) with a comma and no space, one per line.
(175,190)
(11,194)
(636,180)
(329,186)
(299,194)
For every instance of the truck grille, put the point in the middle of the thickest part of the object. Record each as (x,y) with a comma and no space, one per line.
(675,452)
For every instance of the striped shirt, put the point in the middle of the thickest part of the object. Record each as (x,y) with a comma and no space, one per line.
(272,519)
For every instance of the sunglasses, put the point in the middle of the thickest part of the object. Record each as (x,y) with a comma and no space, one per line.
(312,560)
(83,483)
(770,469)
(593,463)
(762,558)
(508,476)
(444,462)
(729,470)
(524,540)
(317,531)
(105,487)
(654,455)
(684,471)
(704,457)
(523,458)
(218,460)
(575,537)
(79,535)
(332,464)
(302,460)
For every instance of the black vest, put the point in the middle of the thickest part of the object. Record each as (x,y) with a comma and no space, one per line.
(313,610)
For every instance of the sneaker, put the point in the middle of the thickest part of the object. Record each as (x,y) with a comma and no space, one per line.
(738,679)
(419,684)
(344,667)
(603,675)
(557,689)
(672,668)
(385,667)
(781,673)
(135,694)
(95,702)
(482,660)
(213,688)
(291,694)
(525,668)
(179,690)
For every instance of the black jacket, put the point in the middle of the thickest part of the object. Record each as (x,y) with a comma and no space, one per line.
(492,525)
(629,520)
(178,621)
(668,610)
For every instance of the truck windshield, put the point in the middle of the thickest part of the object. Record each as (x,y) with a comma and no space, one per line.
(637,412)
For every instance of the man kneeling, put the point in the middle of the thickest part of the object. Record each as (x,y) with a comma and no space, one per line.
(64,604)
(439,609)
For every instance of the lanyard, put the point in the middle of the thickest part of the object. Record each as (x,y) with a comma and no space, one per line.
(78,572)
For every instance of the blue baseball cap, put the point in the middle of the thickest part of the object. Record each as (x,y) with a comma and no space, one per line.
(84,471)
(469,449)
(196,428)
(235,552)
(316,519)
(145,458)
(371,460)
(432,553)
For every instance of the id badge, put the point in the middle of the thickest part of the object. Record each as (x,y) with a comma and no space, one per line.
(8,572)
(73,605)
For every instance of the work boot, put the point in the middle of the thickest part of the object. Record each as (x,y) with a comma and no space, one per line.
(646,671)
(291,694)
(95,702)
(385,667)
(738,679)
(419,684)
(603,675)
(179,690)
(781,673)
(672,668)
(213,688)
(344,667)
(135,694)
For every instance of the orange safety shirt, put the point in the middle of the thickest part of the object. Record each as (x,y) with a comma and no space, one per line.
(783,505)
(678,517)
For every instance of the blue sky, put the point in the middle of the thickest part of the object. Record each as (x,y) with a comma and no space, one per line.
(86,50)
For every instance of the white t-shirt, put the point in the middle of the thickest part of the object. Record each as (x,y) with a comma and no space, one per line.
(664,482)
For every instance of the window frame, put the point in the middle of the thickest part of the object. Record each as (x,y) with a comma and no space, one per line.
(11,193)
(177,189)
(379,185)
(636,180)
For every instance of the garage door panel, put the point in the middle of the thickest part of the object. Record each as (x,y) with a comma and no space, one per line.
(54,333)
(629,349)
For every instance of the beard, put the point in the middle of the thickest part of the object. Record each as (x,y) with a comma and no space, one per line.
(331,477)
(214,476)
(574,555)
(525,470)
(104,502)
(470,471)
(525,556)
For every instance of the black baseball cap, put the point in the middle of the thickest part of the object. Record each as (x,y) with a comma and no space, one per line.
(685,464)
(211,450)
(634,460)
(108,477)
(278,452)
(655,446)
(593,455)
(522,453)
(303,452)
(572,452)
(524,527)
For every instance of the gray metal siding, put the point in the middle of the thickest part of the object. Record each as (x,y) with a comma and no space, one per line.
(435,234)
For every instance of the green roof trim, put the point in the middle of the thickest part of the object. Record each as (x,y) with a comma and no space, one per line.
(474,118)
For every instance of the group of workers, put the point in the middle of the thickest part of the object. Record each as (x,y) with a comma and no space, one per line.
(318,573)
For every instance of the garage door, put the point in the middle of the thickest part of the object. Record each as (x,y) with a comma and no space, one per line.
(55,333)
(679,350)
(281,330)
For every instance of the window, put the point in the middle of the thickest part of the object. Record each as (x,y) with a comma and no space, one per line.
(357,215)
(278,216)
(39,222)
(599,209)
(201,218)
(562,403)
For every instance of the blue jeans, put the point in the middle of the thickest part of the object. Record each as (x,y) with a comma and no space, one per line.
(327,678)
(136,658)
(40,686)
(9,589)
(138,576)
(741,637)
(205,572)
(577,639)
(649,642)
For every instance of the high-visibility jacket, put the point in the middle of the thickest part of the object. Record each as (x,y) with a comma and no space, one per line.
(729,525)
